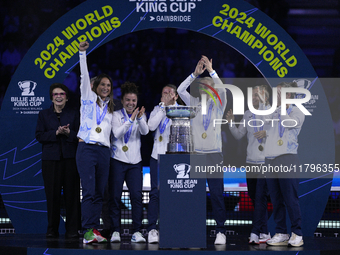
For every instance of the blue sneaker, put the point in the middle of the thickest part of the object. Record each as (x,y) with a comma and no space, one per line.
(137,237)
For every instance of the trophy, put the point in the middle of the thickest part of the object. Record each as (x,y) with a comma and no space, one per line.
(180,138)
(27,87)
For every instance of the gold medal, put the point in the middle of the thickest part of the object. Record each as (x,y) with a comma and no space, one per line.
(160,138)
(204,135)
(279,142)
(261,147)
(125,148)
(98,130)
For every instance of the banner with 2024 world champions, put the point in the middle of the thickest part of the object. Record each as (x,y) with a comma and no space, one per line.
(240,25)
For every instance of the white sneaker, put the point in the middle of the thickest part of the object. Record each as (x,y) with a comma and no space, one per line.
(254,239)
(279,239)
(220,238)
(295,240)
(115,238)
(264,237)
(153,236)
(137,237)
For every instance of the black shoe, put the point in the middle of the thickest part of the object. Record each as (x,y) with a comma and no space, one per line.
(105,233)
(71,235)
(52,235)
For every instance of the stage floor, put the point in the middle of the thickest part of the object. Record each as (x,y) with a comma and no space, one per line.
(18,244)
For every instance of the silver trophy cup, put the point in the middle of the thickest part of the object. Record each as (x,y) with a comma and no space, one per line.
(180,138)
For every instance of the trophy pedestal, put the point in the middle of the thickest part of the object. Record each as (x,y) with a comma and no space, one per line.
(182,203)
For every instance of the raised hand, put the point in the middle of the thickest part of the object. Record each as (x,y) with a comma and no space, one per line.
(173,98)
(168,99)
(207,63)
(200,68)
(83,46)
(165,99)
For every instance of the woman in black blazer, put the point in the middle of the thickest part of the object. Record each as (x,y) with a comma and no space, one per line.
(56,130)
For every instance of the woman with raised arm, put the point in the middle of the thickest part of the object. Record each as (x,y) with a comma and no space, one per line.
(93,154)
(207,137)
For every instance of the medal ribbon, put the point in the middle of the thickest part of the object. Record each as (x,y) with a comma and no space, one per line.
(256,129)
(100,117)
(206,120)
(281,128)
(128,133)
(162,126)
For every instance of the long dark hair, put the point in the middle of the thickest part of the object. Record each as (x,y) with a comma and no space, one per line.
(96,83)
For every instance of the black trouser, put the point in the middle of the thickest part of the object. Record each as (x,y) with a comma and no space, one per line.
(58,174)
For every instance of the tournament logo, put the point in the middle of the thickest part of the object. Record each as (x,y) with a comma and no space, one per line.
(27,87)
(307,84)
(304,83)
(182,170)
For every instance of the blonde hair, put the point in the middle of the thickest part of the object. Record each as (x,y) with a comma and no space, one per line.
(209,79)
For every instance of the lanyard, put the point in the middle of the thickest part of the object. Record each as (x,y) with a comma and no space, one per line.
(100,117)
(128,133)
(206,120)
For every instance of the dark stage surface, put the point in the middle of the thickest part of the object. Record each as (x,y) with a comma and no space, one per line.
(18,244)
